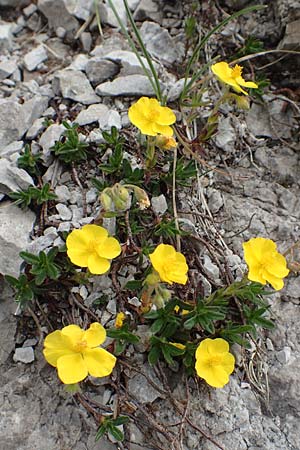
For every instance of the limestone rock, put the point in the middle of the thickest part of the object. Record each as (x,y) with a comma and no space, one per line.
(135,85)
(15,226)
(148,9)
(20,118)
(74,85)
(24,355)
(99,70)
(92,114)
(12,178)
(35,57)
(5,36)
(58,14)
(159,43)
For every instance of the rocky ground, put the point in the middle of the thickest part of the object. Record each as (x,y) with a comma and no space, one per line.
(55,66)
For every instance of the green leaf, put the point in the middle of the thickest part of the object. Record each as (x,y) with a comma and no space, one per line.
(134,285)
(29,257)
(121,420)
(115,432)
(157,326)
(190,323)
(153,355)
(101,431)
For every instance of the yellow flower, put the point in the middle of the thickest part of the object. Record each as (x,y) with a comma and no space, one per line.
(91,247)
(178,345)
(214,363)
(76,353)
(165,142)
(151,118)
(170,265)
(233,77)
(120,319)
(264,262)
(183,311)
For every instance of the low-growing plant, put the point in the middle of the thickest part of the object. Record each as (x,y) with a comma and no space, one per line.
(69,148)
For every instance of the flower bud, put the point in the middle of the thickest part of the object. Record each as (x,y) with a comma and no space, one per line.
(152,279)
(106,200)
(141,197)
(165,142)
(242,102)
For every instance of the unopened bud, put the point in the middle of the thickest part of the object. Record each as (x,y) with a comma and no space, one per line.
(152,279)
(106,201)
(165,142)
(242,102)
(141,197)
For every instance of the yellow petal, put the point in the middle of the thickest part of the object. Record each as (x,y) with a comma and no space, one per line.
(74,333)
(228,363)
(77,239)
(99,362)
(71,368)
(255,274)
(95,335)
(203,349)
(98,265)
(55,346)
(275,282)
(163,129)
(248,84)
(222,70)
(94,232)
(110,248)
(218,345)
(216,377)
(166,116)
(78,257)
(278,266)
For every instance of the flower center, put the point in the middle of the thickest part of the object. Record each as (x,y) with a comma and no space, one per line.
(152,115)
(92,244)
(80,346)
(214,361)
(236,71)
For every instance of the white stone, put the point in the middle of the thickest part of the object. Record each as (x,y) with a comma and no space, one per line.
(15,227)
(24,355)
(134,85)
(5,36)
(73,84)
(7,68)
(92,114)
(37,127)
(159,204)
(63,211)
(35,57)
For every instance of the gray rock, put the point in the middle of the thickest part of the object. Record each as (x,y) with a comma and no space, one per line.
(284,355)
(37,127)
(291,38)
(5,36)
(108,17)
(63,193)
(63,211)
(111,119)
(99,70)
(226,135)
(130,62)
(141,389)
(86,41)
(157,40)
(267,119)
(35,57)
(148,9)
(79,62)
(92,114)
(210,268)
(134,85)
(29,10)
(20,119)
(13,3)
(7,322)
(74,85)
(7,68)
(11,243)
(176,89)
(14,147)
(12,178)
(159,204)
(215,200)
(58,15)
(24,355)
(49,137)
(79,8)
